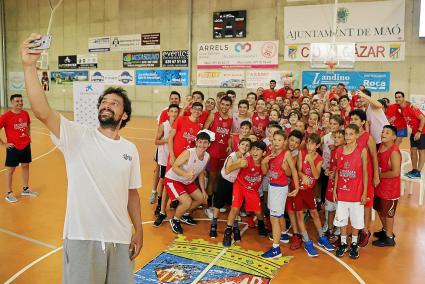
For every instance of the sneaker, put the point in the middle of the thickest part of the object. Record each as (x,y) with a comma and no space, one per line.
(188,220)
(157,210)
(250,221)
(153,197)
(380,234)
(273,253)
(324,242)
(227,240)
(213,231)
(29,192)
(262,231)
(296,242)
(223,210)
(161,217)
(11,198)
(341,250)
(363,238)
(309,248)
(242,214)
(354,251)
(236,234)
(284,238)
(408,173)
(209,213)
(384,242)
(176,226)
(174,204)
(414,175)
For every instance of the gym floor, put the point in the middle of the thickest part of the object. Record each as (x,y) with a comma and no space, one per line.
(31,229)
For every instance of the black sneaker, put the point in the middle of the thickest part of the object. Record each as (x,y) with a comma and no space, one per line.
(188,220)
(175,226)
(236,234)
(384,242)
(341,250)
(157,210)
(174,204)
(262,231)
(227,240)
(213,231)
(380,234)
(354,251)
(159,219)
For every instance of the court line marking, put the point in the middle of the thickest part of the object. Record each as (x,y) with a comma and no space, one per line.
(19,236)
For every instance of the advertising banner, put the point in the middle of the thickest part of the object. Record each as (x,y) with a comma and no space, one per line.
(67,62)
(99,44)
(371,51)
(261,78)
(151,41)
(86,96)
(175,58)
(125,42)
(16,81)
(221,78)
(68,77)
(373,81)
(248,54)
(113,77)
(162,77)
(87,61)
(419,101)
(356,22)
(141,59)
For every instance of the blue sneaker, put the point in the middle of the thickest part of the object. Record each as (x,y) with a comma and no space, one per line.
(415,175)
(408,173)
(272,253)
(309,248)
(284,238)
(324,242)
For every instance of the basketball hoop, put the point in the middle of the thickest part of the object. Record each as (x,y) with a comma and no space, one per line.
(331,64)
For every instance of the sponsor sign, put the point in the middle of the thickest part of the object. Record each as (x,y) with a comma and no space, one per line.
(261,78)
(99,44)
(77,61)
(175,58)
(86,96)
(67,62)
(141,59)
(229,24)
(16,81)
(246,54)
(151,41)
(356,22)
(113,77)
(221,78)
(373,81)
(68,77)
(419,101)
(125,42)
(162,77)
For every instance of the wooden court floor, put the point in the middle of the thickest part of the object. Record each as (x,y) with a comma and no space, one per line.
(31,229)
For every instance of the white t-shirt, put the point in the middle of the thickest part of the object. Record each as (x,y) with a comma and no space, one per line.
(327,141)
(377,120)
(100,172)
(193,164)
(163,151)
(231,177)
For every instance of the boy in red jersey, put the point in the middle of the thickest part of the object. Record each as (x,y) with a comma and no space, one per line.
(350,190)
(259,119)
(197,97)
(358,117)
(309,164)
(245,189)
(388,190)
(279,164)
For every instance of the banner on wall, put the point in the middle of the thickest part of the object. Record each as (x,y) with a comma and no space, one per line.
(162,77)
(16,81)
(68,77)
(151,41)
(373,81)
(246,54)
(175,58)
(113,77)
(99,44)
(125,42)
(87,61)
(372,51)
(221,78)
(261,78)
(77,61)
(419,101)
(356,22)
(141,59)
(86,96)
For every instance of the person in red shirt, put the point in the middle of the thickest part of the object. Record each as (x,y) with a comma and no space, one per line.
(388,190)
(416,121)
(197,96)
(283,92)
(16,123)
(260,119)
(173,99)
(270,94)
(395,118)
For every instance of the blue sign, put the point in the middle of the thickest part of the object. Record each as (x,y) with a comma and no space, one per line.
(373,81)
(162,77)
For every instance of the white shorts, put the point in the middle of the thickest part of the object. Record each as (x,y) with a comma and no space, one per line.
(349,210)
(264,187)
(330,206)
(277,200)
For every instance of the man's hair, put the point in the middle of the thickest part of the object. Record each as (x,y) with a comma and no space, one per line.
(203,136)
(199,93)
(126,101)
(338,119)
(399,92)
(227,99)
(197,104)
(252,94)
(274,125)
(297,134)
(221,94)
(175,93)
(353,127)
(281,133)
(243,102)
(260,145)
(211,99)
(173,106)
(366,92)
(315,138)
(273,81)
(360,113)
(230,92)
(339,131)
(306,88)
(343,97)
(247,123)
(383,103)
(296,112)
(392,128)
(341,84)
(245,140)
(15,96)
(297,90)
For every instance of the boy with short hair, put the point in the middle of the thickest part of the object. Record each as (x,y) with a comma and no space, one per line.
(244,131)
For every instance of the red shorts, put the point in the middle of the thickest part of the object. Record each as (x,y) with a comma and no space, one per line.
(305,200)
(251,197)
(294,203)
(370,194)
(216,164)
(385,207)
(175,188)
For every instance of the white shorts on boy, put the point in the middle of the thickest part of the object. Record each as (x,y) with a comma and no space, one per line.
(353,211)
(277,200)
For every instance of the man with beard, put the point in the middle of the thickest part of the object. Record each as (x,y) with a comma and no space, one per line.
(103,176)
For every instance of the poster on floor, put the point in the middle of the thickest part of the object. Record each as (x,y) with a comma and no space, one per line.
(261,78)
(16,81)
(175,58)
(246,54)
(169,77)
(99,44)
(140,59)
(126,42)
(68,77)
(113,77)
(221,78)
(86,95)
(373,81)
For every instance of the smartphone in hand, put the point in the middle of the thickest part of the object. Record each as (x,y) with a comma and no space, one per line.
(43,43)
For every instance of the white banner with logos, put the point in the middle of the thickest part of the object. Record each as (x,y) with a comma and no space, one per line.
(16,81)
(113,77)
(221,78)
(371,51)
(126,42)
(99,44)
(86,96)
(261,78)
(247,54)
(419,101)
(356,22)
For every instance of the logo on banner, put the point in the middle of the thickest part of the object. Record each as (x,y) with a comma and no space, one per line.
(125,77)
(395,50)
(98,77)
(269,49)
(292,51)
(342,15)
(89,88)
(246,46)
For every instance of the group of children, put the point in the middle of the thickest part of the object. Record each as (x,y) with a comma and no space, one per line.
(271,160)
